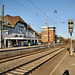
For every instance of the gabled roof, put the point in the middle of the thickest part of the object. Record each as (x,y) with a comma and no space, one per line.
(37,33)
(12,20)
(0,18)
(30,27)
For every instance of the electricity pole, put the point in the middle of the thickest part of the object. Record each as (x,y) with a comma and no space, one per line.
(47,27)
(27,33)
(2,16)
(0,35)
(1,25)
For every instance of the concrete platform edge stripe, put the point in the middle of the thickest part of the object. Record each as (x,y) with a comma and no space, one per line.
(58,65)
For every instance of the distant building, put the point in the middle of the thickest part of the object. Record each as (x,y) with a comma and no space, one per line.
(48,34)
(17,32)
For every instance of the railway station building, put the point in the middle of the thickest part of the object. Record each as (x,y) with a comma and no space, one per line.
(48,34)
(17,32)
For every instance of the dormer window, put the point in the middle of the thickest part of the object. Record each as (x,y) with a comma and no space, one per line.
(6,22)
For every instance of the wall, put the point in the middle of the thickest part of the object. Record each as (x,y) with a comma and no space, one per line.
(44,35)
(30,34)
(48,35)
(11,30)
(21,28)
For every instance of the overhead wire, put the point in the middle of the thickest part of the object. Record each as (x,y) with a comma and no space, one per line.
(54,13)
(40,10)
(59,25)
(32,10)
(26,8)
(37,7)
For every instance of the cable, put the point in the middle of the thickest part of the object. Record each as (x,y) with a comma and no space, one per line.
(54,14)
(23,6)
(39,9)
(26,8)
(36,7)
(32,10)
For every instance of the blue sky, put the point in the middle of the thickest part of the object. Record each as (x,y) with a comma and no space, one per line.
(34,13)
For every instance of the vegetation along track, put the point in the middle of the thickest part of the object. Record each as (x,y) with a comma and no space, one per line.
(26,68)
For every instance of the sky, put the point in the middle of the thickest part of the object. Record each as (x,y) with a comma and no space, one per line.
(34,13)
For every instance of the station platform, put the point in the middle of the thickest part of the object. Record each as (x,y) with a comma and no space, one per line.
(62,64)
(18,48)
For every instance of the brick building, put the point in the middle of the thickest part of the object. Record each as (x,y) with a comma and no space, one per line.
(48,34)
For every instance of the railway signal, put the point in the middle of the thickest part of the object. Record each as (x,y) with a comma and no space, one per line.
(70,28)
(70,25)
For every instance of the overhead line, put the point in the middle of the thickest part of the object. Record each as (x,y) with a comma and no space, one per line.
(36,7)
(30,9)
(39,9)
(22,5)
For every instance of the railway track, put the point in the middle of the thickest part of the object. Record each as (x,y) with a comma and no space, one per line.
(4,54)
(6,59)
(31,65)
(21,55)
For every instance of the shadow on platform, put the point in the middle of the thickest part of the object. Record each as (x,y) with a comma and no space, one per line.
(66,72)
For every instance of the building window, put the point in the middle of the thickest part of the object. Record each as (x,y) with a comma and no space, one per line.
(6,22)
(50,28)
(45,35)
(44,29)
(44,38)
(20,26)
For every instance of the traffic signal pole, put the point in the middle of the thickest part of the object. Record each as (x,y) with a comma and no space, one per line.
(71,52)
(70,27)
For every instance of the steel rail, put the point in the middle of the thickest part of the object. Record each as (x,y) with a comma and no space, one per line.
(24,69)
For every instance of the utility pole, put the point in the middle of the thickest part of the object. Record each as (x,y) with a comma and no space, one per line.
(2,16)
(27,33)
(0,35)
(1,25)
(71,52)
(47,27)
